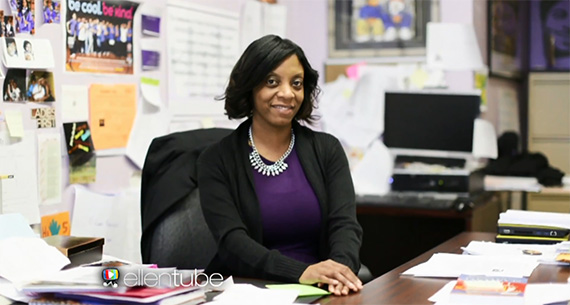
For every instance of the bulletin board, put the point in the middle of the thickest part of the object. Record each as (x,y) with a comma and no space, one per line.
(108,99)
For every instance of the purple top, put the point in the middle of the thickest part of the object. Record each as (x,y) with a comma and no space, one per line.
(290,211)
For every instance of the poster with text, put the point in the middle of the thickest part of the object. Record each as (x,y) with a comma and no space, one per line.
(99,36)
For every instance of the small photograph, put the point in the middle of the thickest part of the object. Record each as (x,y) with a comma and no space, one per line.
(40,87)
(9,26)
(52,11)
(11,47)
(2,24)
(28,50)
(24,11)
(14,85)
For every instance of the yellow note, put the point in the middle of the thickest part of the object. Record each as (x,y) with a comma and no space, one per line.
(15,123)
(56,224)
(419,78)
(112,110)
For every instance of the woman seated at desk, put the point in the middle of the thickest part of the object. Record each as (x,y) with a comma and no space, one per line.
(277,196)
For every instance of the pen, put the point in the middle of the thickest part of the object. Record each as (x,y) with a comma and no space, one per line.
(6,177)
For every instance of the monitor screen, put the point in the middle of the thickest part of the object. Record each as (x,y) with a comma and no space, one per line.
(430,120)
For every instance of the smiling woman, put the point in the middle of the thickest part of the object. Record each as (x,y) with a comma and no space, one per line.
(277,196)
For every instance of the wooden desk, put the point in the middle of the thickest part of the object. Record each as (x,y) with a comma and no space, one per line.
(395,235)
(391,288)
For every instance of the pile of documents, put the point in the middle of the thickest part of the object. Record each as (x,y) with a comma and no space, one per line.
(530,227)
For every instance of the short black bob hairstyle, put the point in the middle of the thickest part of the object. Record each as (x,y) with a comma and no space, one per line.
(257,61)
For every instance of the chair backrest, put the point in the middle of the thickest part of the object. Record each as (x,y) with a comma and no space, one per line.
(174,231)
(181,237)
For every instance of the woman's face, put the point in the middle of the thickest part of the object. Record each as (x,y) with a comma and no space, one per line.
(278,98)
(558,23)
(28,47)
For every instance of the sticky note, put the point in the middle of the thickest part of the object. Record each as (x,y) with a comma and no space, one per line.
(15,123)
(304,290)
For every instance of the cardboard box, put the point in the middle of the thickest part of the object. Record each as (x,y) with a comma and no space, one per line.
(79,250)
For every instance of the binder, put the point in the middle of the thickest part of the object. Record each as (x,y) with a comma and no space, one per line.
(531,230)
(518,239)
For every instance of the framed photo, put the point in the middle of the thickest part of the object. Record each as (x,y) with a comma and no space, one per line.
(372,28)
(508,38)
(550,41)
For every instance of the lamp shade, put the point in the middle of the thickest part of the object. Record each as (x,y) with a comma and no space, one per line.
(452,47)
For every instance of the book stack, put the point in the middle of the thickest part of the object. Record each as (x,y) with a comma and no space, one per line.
(481,289)
(530,227)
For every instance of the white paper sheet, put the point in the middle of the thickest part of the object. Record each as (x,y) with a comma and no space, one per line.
(508,111)
(28,259)
(506,183)
(14,225)
(535,218)
(74,103)
(371,176)
(274,19)
(251,23)
(15,123)
(484,140)
(49,168)
(18,158)
(116,217)
(251,295)
(146,127)
(543,253)
(202,45)
(452,265)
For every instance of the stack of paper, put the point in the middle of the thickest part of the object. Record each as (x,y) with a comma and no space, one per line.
(530,227)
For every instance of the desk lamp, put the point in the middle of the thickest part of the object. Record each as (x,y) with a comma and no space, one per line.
(451,47)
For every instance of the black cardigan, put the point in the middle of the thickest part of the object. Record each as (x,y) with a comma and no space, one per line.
(231,208)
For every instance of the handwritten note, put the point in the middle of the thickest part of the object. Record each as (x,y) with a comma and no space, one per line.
(19,194)
(202,49)
(49,167)
(112,109)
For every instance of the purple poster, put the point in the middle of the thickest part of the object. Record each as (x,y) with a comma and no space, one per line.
(550,35)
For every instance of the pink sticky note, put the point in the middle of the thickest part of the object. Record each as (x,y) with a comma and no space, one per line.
(353,71)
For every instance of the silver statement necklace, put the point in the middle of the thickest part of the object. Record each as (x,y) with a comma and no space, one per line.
(269,170)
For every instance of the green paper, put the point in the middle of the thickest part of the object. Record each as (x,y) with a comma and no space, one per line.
(304,290)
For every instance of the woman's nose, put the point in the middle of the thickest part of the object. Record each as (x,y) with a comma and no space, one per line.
(286,92)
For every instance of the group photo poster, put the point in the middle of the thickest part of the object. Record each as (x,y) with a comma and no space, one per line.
(99,36)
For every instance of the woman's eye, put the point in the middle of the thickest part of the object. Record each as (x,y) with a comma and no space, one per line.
(298,83)
(271,82)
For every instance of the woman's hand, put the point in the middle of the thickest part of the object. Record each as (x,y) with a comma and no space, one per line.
(338,276)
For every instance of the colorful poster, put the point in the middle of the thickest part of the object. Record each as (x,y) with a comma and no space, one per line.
(112,110)
(99,36)
(24,11)
(81,152)
(56,224)
(52,11)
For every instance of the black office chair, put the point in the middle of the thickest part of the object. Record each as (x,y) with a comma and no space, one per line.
(174,232)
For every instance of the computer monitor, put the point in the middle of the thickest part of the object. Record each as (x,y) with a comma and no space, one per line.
(430,123)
